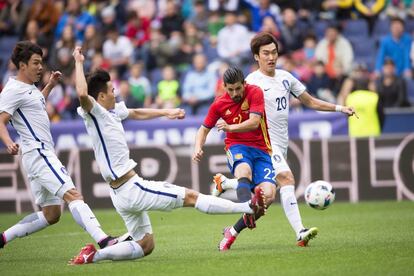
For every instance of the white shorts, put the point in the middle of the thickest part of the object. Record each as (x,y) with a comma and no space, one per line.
(137,196)
(279,160)
(48,178)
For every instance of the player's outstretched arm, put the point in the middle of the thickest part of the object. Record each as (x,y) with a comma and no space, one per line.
(199,143)
(317,104)
(250,124)
(53,80)
(81,85)
(150,113)
(11,146)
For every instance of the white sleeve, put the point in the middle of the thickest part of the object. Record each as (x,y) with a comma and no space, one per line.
(10,101)
(296,87)
(121,110)
(96,110)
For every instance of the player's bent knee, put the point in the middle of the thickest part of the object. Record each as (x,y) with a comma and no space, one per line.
(147,244)
(285,178)
(72,195)
(190,198)
(52,214)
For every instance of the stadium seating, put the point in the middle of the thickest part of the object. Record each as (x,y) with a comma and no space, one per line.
(410,90)
(355,29)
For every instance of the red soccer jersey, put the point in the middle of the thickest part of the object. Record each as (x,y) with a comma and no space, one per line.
(235,113)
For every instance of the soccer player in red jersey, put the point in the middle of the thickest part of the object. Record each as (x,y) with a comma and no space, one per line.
(240,113)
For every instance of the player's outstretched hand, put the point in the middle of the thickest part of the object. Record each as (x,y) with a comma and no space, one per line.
(349,110)
(77,54)
(198,154)
(13,148)
(176,113)
(55,76)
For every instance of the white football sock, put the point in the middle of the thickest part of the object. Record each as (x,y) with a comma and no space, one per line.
(127,250)
(84,216)
(230,183)
(290,206)
(214,205)
(28,225)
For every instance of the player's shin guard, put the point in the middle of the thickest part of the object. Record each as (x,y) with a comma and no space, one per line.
(128,250)
(214,205)
(290,206)
(243,189)
(84,216)
(28,225)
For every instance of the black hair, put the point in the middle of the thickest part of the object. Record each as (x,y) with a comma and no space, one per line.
(262,39)
(23,51)
(233,75)
(97,82)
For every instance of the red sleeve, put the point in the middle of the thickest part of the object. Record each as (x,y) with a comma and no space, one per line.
(256,100)
(212,116)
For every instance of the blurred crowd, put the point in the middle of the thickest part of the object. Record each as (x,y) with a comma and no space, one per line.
(170,53)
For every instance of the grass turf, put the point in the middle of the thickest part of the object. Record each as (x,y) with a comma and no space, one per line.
(374,238)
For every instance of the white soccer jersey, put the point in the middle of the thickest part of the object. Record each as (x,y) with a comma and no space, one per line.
(108,136)
(27,106)
(276,92)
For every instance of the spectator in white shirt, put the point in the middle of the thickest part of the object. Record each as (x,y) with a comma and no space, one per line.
(117,50)
(233,41)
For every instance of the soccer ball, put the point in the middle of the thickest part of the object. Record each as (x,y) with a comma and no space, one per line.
(319,195)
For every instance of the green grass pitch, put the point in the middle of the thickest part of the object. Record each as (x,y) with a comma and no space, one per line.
(375,238)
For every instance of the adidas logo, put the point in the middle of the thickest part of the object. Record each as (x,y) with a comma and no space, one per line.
(228,112)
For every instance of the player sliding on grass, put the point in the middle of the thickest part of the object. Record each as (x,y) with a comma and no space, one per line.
(240,113)
(131,195)
(277,86)
(22,104)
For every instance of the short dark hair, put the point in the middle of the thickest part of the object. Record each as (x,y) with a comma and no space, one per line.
(23,51)
(262,39)
(233,75)
(397,19)
(97,82)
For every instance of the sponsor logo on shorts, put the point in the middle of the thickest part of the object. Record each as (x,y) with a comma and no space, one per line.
(238,156)
(277,158)
(63,169)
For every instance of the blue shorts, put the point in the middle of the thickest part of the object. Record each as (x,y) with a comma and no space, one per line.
(259,161)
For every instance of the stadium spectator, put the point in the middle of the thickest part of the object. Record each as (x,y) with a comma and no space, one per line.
(45,13)
(399,8)
(308,10)
(75,17)
(92,44)
(215,24)
(108,19)
(223,6)
(397,46)
(168,89)
(269,26)
(291,32)
(233,41)
(220,82)
(172,20)
(320,85)
(192,42)
(139,87)
(117,49)
(198,87)
(143,8)
(335,50)
(336,9)
(61,54)
(138,30)
(32,34)
(369,107)
(259,10)
(369,10)
(305,57)
(200,16)
(391,88)
(13,17)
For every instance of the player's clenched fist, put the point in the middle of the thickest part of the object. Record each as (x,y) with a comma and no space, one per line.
(198,154)
(77,54)
(13,148)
